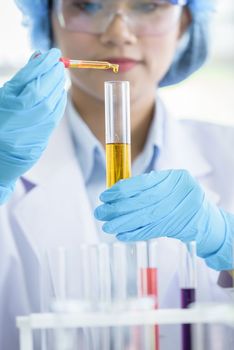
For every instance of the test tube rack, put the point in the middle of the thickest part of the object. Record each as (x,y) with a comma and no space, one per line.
(198,314)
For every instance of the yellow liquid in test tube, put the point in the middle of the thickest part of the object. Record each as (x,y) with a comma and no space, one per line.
(118,162)
(95,65)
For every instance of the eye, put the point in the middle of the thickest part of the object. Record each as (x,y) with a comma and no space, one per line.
(88,6)
(147,7)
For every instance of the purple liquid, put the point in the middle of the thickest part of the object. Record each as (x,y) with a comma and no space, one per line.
(187,297)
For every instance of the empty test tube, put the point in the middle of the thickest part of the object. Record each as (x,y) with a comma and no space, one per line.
(119,289)
(91,280)
(104,291)
(119,272)
(104,274)
(117,122)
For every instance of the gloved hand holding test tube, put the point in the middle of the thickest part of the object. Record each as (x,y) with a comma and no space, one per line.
(31,105)
(34,101)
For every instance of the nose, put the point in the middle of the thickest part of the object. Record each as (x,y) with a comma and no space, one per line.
(118,33)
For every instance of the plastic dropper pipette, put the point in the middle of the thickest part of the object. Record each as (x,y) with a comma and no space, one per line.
(68,63)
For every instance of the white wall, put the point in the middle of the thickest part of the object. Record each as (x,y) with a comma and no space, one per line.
(209,94)
(14,41)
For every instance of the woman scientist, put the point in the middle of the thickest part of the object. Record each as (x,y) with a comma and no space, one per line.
(156,43)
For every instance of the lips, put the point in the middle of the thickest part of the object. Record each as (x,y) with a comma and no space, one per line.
(125,64)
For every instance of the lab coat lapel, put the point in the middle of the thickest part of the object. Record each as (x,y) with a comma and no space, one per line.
(57,211)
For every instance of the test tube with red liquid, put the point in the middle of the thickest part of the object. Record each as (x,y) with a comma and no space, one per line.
(148,278)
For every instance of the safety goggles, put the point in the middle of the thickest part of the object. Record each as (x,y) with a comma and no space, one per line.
(143,17)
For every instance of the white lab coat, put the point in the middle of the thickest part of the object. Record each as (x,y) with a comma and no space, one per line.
(56,212)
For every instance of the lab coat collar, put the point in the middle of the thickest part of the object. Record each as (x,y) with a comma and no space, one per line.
(87,146)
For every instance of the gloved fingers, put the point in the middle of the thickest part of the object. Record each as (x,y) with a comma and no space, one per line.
(179,229)
(179,223)
(34,68)
(37,66)
(30,141)
(120,207)
(131,221)
(172,216)
(27,117)
(166,195)
(214,232)
(36,90)
(131,187)
(55,110)
(141,234)
(107,212)
(46,108)
(34,55)
(42,87)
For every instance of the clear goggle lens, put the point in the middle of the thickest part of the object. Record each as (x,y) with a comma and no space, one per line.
(144,17)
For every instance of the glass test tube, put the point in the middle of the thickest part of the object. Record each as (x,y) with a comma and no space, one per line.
(119,272)
(117,121)
(119,290)
(104,291)
(84,64)
(65,339)
(188,284)
(147,277)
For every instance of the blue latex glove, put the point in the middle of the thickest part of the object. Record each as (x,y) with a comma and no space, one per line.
(167,203)
(31,105)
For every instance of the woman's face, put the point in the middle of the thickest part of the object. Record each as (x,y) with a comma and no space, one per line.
(143,60)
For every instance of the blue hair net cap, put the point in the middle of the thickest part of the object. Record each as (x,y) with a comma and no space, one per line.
(194,47)
(190,56)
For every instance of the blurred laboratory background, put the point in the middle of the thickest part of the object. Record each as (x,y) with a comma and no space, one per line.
(207,95)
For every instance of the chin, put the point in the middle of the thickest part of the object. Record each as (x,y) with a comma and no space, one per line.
(89,90)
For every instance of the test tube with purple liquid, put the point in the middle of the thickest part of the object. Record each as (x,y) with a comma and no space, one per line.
(188,284)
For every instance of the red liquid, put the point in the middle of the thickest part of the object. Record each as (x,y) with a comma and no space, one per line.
(187,297)
(149,287)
